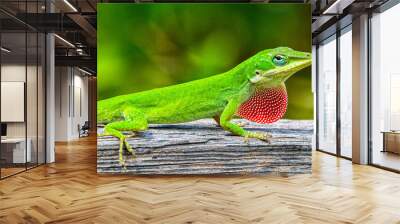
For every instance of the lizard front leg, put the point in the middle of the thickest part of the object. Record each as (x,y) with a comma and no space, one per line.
(225,122)
(134,121)
(217,118)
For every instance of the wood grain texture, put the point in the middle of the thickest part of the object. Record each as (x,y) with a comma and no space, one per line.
(70,191)
(201,147)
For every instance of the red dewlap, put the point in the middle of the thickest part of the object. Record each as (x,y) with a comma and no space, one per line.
(265,105)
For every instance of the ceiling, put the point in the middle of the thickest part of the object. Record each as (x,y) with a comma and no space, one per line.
(74,21)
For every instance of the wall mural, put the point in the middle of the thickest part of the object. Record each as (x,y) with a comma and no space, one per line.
(201,89)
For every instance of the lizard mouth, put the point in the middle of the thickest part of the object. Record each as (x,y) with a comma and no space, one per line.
(283,73)
(289,69)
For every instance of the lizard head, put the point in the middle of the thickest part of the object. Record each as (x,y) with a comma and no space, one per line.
(267,71)
(272,67)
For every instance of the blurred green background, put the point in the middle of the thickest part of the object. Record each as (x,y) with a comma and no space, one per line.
(144,46)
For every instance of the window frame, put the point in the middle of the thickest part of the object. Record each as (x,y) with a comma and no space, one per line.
(338,33)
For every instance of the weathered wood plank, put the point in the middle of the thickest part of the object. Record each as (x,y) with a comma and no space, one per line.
(201,147)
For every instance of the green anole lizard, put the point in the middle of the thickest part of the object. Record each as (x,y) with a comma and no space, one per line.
(253,90)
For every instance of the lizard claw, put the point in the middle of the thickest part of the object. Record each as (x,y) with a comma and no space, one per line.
(241,123)
(261,136)
(246,139)
(264,137)
(133,134)
(128,147)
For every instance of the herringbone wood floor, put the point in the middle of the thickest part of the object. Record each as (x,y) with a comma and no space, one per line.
(70,191)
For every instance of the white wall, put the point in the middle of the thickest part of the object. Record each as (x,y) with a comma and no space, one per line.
(62,81)
(16,73)
(71,102)
(80,110)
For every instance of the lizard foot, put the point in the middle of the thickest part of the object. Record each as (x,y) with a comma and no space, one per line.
(259,135)
(241,123)
(246,139)
(131,135)
(123,142)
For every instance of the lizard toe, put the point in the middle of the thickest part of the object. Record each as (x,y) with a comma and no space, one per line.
(261,136)
(129,148)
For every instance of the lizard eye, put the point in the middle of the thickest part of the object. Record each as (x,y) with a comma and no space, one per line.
(280,60)
(257,72)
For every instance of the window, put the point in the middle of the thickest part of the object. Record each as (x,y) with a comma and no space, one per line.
(22,77)
(385,89)
(327,95)
(346,92)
